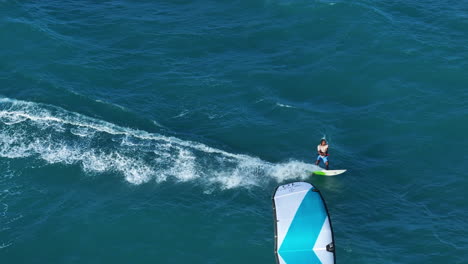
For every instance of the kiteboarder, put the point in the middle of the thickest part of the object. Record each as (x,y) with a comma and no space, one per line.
(322,151)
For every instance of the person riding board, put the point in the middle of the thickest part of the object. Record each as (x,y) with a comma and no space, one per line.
(322,150)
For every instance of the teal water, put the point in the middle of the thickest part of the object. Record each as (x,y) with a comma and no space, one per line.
(156,132)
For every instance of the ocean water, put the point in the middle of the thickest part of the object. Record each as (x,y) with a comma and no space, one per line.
(156,131)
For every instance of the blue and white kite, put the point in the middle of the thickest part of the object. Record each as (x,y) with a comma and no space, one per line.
(303,229)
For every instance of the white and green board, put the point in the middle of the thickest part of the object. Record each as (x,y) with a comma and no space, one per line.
(303,231)
(328,172)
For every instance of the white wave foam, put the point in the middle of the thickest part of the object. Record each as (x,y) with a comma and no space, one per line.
(182,114)
(284,105)
(55,135)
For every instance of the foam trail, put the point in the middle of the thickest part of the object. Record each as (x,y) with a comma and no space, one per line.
(54,135)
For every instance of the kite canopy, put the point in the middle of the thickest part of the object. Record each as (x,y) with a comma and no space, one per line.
(303,229)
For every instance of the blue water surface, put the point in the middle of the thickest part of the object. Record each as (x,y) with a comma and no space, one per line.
(156,131)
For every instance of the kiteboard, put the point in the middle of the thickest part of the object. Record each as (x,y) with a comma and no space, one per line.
(328,172)
(303,231)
